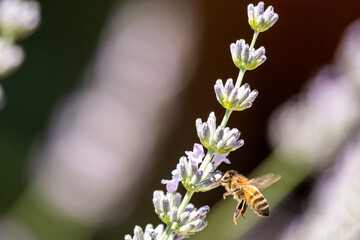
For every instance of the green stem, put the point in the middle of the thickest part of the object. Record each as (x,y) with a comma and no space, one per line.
(167,233)
(207,160)
(185,202)
(240,77)
(256,34)
(226,117)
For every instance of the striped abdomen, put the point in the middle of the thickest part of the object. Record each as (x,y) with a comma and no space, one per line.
(257,201)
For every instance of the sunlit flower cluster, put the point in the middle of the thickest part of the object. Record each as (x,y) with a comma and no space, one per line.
(259,19)
(232,98)
(246,58)
(219,139)
(193,179)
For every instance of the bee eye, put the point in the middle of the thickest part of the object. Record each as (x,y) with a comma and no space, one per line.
(227,176)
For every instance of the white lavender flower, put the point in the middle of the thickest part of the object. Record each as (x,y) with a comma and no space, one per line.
(11,56)
(166,205)
(209,182)
(189,221)
(246,58)
(259,19)
(18,18)
(192,220)
(149,234)
(221,140)
(232,98)
(195,180)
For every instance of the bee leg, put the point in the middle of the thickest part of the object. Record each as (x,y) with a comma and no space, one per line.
(240,209)
(230,192)
(243,210)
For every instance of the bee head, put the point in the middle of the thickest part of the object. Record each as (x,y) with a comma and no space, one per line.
(226,178)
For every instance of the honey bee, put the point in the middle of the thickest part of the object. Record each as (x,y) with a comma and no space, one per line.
(246,192)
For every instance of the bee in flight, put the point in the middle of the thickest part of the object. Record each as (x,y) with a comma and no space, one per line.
(246,192)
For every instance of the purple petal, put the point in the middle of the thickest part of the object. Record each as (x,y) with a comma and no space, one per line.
(179,237)
(196,155)
(219,158)
(172,185)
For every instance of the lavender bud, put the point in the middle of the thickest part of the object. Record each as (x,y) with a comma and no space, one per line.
(181,168)
(173,214)
(229,86)
(219,90)
(184,217)
(209,182)
(196,178)
(165,205)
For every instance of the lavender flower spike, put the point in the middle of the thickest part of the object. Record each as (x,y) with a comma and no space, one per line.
(197,171)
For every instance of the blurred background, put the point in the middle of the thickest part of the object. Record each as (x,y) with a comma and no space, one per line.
(106,100)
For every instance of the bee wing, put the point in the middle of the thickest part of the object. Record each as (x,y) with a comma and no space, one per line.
(264,181)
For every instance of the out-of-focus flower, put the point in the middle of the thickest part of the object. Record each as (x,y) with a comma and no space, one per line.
(232,98)
(259,20)
(348,54)
(334,202)
(18,18)
(246,58)
(219,139)
(11,57)
(314,125)
(149,234)
(2,97)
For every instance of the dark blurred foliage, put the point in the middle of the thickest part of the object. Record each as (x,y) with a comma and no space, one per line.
(304,38)
(56,57)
